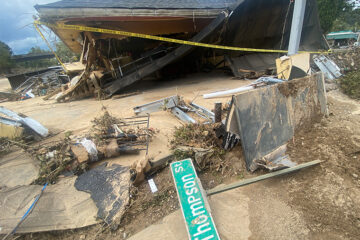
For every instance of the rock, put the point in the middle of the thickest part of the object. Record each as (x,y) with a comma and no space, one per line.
(330,87)
(141,167)
(112,149)
(355,175)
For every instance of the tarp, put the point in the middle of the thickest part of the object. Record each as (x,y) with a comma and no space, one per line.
(259,24)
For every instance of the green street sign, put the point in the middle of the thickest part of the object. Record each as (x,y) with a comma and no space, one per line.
(199,222)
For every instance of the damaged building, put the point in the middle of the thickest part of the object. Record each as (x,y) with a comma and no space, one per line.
(114,60)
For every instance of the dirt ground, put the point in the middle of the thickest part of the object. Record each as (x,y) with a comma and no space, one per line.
(329,196)
(322,202)
(4,85)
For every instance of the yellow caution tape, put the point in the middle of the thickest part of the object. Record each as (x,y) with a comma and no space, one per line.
(48,44)
(164,39)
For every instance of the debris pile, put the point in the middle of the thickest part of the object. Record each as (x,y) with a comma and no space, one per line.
(109,137)
(91,80)
(55,160)
(41,83)
(347,60)
(188,112)
(195,135)
(341,70)
(115,136)
(199,141)
(6,96)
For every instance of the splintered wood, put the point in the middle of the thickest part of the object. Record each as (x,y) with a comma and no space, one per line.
(88,83)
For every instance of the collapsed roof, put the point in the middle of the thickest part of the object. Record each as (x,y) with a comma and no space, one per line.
(145,4)
(261,24)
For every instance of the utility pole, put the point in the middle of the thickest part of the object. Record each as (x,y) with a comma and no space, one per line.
(296,26)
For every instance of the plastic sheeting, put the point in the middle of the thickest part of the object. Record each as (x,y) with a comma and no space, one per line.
(259,24)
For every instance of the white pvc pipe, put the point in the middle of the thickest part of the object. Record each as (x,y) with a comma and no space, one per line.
(228,92)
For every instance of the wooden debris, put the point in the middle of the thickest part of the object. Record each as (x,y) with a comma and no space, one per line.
(141,167)
(80,153)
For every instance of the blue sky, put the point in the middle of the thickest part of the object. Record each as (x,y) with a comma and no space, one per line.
(16,29)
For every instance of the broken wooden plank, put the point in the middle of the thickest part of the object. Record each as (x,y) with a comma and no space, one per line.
(50,95)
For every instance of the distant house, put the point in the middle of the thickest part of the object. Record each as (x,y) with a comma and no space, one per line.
(343,38)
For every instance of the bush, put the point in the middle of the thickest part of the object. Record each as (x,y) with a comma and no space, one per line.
(350,84)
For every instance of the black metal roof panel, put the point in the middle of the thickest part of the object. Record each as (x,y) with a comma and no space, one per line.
(133,4)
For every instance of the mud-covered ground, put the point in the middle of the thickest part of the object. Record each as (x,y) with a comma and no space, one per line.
(329,195)
(321,202)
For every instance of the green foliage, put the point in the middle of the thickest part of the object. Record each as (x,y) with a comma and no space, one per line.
(329,11)
(65,54)
(350,84)
(37,50)
(5,58)
(36,64)
(349,19)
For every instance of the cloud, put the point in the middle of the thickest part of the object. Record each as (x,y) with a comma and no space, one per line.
(23,45)
(15,24)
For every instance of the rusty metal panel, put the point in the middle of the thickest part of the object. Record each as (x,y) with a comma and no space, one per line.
(268,117)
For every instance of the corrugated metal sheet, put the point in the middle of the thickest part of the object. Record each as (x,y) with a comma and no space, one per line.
(151,4)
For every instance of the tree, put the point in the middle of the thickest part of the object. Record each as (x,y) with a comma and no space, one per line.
(348,20)
(330,10)
(37,64)
(64,53)
(35,50)
(5,58)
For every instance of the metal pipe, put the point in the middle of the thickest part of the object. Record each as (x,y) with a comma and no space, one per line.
(296,26)
(228,92)
(260,178)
